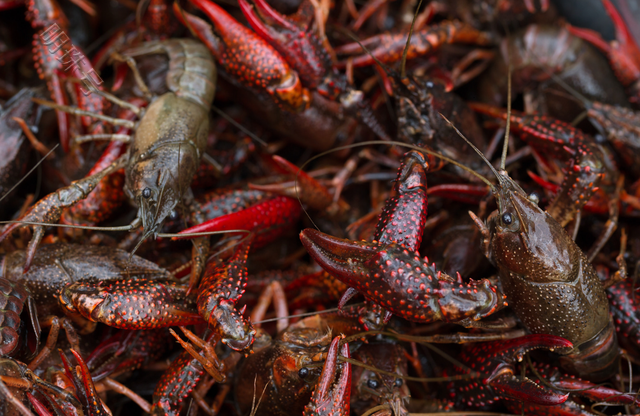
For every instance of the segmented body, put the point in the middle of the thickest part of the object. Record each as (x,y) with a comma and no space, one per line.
(13,297)
(547,276)
(172,135)
(57,59)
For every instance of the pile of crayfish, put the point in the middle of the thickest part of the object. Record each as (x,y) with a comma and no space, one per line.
(306,207)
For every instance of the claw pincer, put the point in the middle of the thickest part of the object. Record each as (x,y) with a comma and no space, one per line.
(221,287)
(246,57)
(292,37)
(391,273)
(401,281)
(334,401)
(131,304)
(496,363)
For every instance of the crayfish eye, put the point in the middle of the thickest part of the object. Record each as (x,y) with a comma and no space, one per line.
(146,193)
(174,215)
(303,372)
(373,383)
(507,218)
(398,382)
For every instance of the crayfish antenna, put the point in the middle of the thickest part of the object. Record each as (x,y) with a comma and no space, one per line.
(477,151)
(403,63)
(505,145)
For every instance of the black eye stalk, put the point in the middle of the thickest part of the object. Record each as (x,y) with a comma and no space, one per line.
(303,372)
(507,218)
(373,383)
(146,193)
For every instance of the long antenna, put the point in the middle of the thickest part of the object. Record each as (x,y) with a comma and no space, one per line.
(29,173)
(505,146)
(124,228)
(473,147)
(406,47)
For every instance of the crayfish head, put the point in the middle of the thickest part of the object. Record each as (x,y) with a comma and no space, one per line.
(524,239)
(156,187)
(372,388)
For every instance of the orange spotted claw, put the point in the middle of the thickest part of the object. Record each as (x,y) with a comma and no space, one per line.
(131,304)
(401,281)
(246,57)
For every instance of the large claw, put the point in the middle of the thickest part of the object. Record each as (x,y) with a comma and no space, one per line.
(511,386)
(586,166)
(327,401)
(292,37)
(131,304)
(268,220)
(584,388)
(246,57)
(496,363)
(176,384)
(401,281)
(222,286)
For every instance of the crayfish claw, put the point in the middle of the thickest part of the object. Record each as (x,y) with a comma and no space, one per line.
(527,390)
(236,332)
(400,280)
(335,401)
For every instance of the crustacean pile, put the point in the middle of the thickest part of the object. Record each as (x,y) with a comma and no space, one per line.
(221,208)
